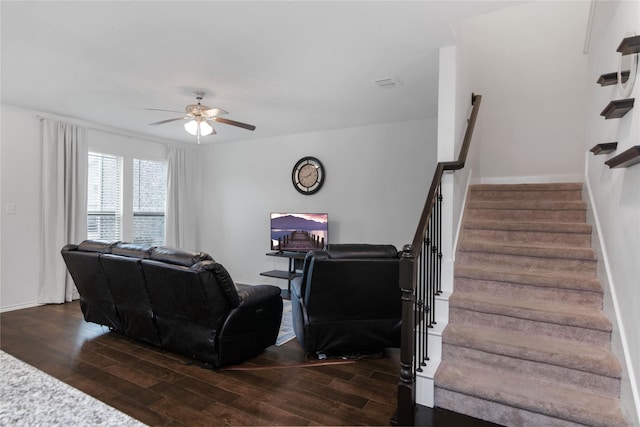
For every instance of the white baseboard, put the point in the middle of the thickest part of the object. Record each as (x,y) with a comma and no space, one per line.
(447,274)
(629,392)
(425,384)
(536,179)
(19,306)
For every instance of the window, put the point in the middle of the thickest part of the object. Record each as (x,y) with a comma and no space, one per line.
(104,201)
(142,184)
(149,195)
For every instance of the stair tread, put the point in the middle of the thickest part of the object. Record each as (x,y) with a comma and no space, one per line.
(543,205)
(551,186)
(534,250)
(542,226)
(554,351)
(531,394)
(563,280)
(533,309)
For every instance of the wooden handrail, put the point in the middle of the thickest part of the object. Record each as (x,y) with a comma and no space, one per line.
(437,177)
(407,278)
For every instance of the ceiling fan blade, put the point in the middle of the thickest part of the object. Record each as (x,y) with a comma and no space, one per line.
(233,123)
(166,121)
(212,112)
(160,109)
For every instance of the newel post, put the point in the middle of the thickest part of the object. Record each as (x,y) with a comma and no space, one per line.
(406,387)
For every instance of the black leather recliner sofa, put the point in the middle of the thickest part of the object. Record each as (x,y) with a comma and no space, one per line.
(348,299)
(182,301)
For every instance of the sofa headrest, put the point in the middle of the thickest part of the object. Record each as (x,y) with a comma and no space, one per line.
(226,283)
(99,246)
(133,250)
(360,250)
(178,256)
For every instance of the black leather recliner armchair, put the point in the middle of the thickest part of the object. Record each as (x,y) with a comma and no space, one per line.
(179,300)
(348,299)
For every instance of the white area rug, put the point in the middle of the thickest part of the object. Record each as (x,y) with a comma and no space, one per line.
(30,397)
(286,332)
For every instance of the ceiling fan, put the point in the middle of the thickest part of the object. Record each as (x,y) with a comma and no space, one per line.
(199,117)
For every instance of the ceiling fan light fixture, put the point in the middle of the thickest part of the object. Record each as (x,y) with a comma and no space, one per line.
(192,127)
(205,128)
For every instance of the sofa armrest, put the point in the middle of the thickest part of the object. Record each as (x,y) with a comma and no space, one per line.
(296,287)
(256,294)
(253,325)
(69,247)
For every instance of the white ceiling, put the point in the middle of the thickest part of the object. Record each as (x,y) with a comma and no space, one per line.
(284,66)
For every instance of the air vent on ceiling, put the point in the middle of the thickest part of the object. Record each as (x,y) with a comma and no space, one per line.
(388,83)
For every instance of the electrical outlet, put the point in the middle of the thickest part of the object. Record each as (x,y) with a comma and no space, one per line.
(11,208)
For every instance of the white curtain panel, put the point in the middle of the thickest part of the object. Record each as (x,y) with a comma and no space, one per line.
(64,205)
(181,210)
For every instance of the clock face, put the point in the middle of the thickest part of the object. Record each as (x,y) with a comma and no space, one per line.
(308,175)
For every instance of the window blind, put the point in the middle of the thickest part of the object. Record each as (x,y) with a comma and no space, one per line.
(104,198)
(149,196)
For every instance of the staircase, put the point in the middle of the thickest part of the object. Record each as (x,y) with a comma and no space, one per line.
(527,342)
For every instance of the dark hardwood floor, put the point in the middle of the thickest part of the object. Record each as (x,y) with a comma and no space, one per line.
(161,388)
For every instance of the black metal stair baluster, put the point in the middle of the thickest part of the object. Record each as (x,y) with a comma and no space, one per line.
(432,235)
(440,198)
(425,308)
(419,308)
(417,305)
(435,218)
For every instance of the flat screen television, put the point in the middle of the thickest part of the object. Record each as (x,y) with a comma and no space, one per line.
(299,232)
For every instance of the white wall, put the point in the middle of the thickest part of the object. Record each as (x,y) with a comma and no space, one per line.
(615,193)
(20,186)
(454,107)
(377,178)
(528,63)
(464,89)
(20,181)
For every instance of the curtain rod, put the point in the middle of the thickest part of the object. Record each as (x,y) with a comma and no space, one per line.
(106,129)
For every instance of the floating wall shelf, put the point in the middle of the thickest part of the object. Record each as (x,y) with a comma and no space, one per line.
(604,148)
(625,159)
(617,109)
(612,78)
(630,45)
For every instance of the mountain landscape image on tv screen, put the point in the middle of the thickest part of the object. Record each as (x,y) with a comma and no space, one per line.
(298,232)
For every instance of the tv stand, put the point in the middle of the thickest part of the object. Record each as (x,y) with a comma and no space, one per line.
(295,263)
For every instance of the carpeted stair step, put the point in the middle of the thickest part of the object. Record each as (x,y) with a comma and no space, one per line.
(550,233)
(533,309)
(555,191)
(527,210)
(559,286)
(593,368)
(498,395)
(531,317)
(527,342)
(528,257)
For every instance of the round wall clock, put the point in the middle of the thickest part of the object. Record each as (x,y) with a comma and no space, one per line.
(308,175)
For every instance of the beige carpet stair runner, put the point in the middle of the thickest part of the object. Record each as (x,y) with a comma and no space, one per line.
(527,342)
